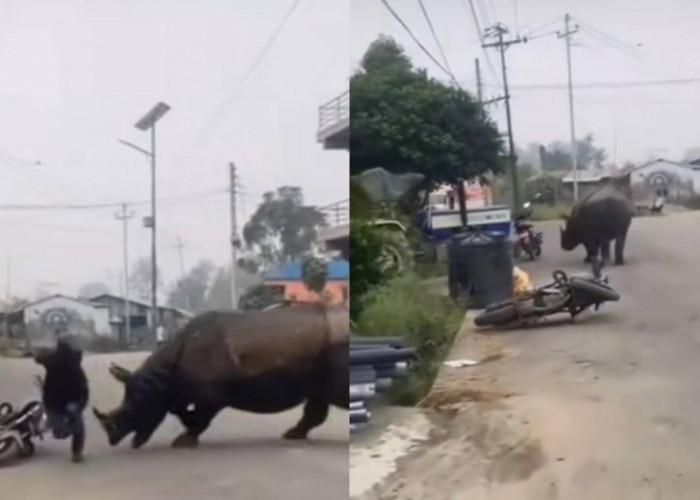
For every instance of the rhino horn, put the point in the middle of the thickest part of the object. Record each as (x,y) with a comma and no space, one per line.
(98,414)
(120,373)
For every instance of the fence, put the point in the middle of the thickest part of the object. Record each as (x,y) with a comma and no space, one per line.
(337,214)
(334,113)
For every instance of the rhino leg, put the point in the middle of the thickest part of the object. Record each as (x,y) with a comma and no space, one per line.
(196,422)
(315,413)
(591,252)
(620,249)
(605,251)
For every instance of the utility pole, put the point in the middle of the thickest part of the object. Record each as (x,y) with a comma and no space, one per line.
(124,217)
(499,30)
(8,285)
(567,35)
(235,242)
(478,81)
(180,245)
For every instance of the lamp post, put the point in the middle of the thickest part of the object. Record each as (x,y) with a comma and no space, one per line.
(148,122)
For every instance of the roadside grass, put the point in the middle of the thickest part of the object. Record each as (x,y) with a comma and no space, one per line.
(430,269)
(550,212)
(429,322)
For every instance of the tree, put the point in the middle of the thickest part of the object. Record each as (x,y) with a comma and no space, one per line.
(404,121)
(282,228)
(219,294)
(557,156)
(314,272)
(92,289)
(189,292)
(140,279)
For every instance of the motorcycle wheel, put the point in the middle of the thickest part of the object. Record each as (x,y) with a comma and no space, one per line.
(595,289)
(6,445)
(500,316)
(27,449)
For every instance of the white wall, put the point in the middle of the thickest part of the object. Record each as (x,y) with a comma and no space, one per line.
(80,315)
(686,174)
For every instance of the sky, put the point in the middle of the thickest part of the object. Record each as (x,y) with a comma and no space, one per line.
(78,74)
(623,41)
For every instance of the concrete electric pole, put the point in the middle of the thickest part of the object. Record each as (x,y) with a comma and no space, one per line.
(235,241)
(567,35)
(124,217)
(180,245)
(499,30)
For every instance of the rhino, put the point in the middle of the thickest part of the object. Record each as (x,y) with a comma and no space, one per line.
(597,219)
(256,361)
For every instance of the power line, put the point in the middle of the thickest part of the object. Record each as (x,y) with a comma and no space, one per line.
(92,206)
(251,69)
(603,85)
(435,37)
(415,39)
(479,31)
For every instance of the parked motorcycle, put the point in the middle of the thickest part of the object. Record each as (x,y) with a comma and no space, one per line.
(566,294)
(528,240)
(18,428)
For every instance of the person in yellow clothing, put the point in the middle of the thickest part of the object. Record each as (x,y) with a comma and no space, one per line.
(521,283)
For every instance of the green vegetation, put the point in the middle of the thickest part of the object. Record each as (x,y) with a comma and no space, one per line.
(428,321)
(404,121)
(550,212)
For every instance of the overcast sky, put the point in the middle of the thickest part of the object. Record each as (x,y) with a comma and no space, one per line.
(652,41)
(77,75)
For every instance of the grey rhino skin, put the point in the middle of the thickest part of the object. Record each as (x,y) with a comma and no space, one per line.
(602,216)
(256,361)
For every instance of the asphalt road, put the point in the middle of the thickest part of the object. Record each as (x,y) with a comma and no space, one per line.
(606,408)
(240,456)
(613,401)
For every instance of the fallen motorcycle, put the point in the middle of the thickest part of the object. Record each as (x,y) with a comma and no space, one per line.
(18,428)
(572,295)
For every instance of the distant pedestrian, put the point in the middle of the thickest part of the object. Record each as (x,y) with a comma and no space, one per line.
(160,335)
(65,394)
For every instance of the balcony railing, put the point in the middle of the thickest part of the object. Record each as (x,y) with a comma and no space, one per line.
(337,214)
(334,115)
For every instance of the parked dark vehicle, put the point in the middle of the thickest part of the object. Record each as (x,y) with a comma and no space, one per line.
(566,294)
(528,241)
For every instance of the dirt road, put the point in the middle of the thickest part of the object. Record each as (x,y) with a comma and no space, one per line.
(607,408)
(240,456)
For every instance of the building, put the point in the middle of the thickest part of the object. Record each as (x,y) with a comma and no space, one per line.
(334,134)
(39,323)
(677,181)
(287,279)
(590,180)
(171,318)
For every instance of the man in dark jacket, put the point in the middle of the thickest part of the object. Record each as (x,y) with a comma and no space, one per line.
(65,394)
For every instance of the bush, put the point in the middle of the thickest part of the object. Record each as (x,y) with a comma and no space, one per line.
(550,212)
(429,322)
(366,270)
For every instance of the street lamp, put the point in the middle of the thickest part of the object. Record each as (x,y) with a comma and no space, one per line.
(148,122)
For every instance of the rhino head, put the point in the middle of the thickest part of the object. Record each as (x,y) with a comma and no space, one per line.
(143,408)
(569,235)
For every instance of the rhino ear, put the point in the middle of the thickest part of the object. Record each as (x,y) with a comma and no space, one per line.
(121,374)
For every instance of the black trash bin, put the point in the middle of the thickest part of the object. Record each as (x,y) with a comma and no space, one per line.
(480,268)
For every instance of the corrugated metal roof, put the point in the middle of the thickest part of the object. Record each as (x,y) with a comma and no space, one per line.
(338,269)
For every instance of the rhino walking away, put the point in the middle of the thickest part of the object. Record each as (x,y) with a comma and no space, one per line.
(597,219)
(257,361)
